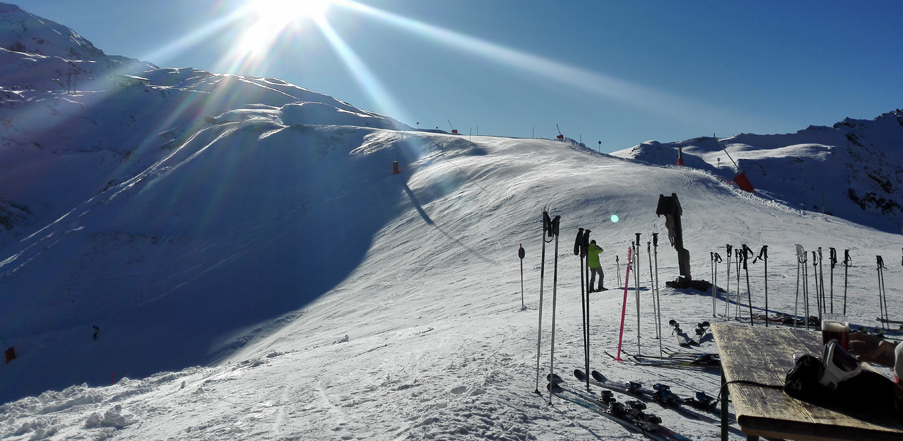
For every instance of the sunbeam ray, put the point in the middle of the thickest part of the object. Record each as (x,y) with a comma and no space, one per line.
(363,75)
(672,106)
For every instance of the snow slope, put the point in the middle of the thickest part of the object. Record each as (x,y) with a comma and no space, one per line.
(422,337)
(256,272)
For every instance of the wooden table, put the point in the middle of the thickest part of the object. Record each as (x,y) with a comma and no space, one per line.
(765,355)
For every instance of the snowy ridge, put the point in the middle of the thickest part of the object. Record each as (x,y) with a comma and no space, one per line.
(36,53)
(256,271)
(24,32)
(56,133)
(855,167)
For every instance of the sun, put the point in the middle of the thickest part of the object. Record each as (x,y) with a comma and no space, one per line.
(271,18)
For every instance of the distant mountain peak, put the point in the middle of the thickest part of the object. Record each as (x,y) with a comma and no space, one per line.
(853,169)
(895,115)
(21,31)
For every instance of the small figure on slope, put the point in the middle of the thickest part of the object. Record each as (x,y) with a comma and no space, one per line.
(592,261)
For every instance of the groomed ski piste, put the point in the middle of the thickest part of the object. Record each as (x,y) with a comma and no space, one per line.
(256,271)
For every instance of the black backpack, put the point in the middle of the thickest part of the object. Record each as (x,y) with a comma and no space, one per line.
(868,396)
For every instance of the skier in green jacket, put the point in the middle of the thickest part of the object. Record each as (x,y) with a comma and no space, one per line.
(592,261)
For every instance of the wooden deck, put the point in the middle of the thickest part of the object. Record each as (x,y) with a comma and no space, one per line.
(765,355)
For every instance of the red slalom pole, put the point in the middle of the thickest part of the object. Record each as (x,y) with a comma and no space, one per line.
(624,305)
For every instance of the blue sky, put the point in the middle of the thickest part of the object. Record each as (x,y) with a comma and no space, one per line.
(619,72)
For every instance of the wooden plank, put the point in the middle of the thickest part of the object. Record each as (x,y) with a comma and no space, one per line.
(765,355)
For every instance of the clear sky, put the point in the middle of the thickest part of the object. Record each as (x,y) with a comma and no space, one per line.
(619,72)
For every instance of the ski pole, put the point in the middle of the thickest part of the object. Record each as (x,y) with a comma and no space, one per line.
(577,244)
(546,228)
(763,254)
(555,223)
(727,294)
(715,282)
(846,267)
(636,292)
(833,264)
(738,255)
(712,274)
(624,303)
(521,253)
(636,267)
(652,291)
(579,251)
(618,269)
(796,301)
(821,279)
(658,299)
(815,277)
(746,253)
(880,295)
(882,298)
(805,264)
(652,288)
(584,254)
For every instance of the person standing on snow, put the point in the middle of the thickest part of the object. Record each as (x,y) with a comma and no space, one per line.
(592,261)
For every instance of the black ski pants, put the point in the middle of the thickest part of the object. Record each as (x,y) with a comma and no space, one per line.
(592,278)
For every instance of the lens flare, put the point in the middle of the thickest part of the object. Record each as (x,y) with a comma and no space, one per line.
(614,218)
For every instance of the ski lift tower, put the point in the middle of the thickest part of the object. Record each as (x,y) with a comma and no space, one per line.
(454,130)
(741,179)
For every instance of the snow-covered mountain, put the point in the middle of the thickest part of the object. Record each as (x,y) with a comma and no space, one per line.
(27,33)
(39,54)
(236,256)
(853,170)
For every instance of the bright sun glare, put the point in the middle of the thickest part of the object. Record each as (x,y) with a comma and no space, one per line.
(288,10)
(272,17)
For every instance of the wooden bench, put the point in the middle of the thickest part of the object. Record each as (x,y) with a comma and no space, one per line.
(765,355)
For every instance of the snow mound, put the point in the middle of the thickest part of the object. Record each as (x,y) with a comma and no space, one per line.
(325,114)
(111,418)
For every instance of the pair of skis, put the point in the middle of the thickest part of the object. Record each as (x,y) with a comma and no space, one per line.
(660,394)
(698,362)
(679,361)
(630,414)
